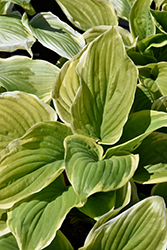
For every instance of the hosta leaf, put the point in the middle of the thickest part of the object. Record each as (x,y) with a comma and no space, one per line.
(65,88)
(153,77)
(7,242)
(160,104)
(89,13)
(108,84)
(26,5)
(60,242)
(35,220)
(123,7)
(24,74)
(160,19)
(89,173)
(153,159)
(143,226)
(32,162)
(5,7)
(100,203)
(3,226)
(138,127)
(55,34)
(158,3)
(141,23)
(18,112)
(13,35)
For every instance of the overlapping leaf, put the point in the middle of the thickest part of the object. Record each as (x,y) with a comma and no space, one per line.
(89,173)
(18,112)
(141,23)
(32,162)
(89,13)
(160,19)
(153,159)
(24,74)
(143,226)
(55,34)
(5,7)
(8,241)
(34,221)
(123,7)
(13,35)
(108,84)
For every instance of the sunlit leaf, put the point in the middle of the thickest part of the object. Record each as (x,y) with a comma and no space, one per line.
(5,7)
(108,84)
(18,112)
(143,226)
(89,13)
(24,74)
(141,23)
(153,159)
(55,34)
(123,7)
(90,173)
(26,5)
(32,162)
(35,220)
(13,35)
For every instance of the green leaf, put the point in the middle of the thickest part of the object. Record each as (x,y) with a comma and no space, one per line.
(65,88)
(18,112)
(13,35)
(32,162)
(153,77)
(26,5)
(60,242)
(141,23)
(158,3)
(7,242)
(108,84)
(143,226)
(24,74)
(160,189)
(90,13)
(5,7)
(35,220)
(90,173)
(160,19)
(54,34)
(3,226)
(139,126)
(153,159)
(100,203)
(160,104)
(123,7)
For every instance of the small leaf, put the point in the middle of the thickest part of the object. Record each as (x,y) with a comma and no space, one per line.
(108,84)
(24,74)
(89,173)
(26,5)
(3,226)
(13,35)
(54,34)
(153,159)
(141,23)
(32,162)
(35,220)
(90,13)
(160,19)
(143,226)
(18,112)
(160,189)
(160,104)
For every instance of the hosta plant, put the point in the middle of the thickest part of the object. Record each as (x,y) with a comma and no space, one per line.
(83,142)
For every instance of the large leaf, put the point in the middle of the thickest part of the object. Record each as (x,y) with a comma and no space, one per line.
(7,242)
(108,84)
(24,74)
(89,173)
(153,159)
(143,226)
(138,127)
(89,13)
(100,203)
(13,35)
(55,34)
(35,220)
(32,162)
(123,7)
(141,23)
(18,112)
(160,19)
(65,88)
